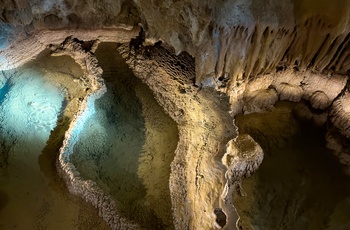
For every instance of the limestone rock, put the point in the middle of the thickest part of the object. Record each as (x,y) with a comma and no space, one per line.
(292,85)
(339,146)
(87,189)
(289,92)
(197,175)
(319,100)
(340,114)
(24,49)
(251,51)
(322,89)
(240,39)
(234,38)
(243,156)
(70,13)
(259,100)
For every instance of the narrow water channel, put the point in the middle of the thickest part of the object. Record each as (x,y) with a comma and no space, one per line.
(300,184)
(127,145)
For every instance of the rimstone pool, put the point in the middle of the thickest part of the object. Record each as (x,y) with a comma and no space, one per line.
(33,101)
(300,183)
(126,146)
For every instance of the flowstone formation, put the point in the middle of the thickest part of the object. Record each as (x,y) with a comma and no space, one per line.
(203,135)
(205,62)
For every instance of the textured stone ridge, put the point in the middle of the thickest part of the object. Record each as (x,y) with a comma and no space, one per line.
(262,92)
(26,48)
(340,114)
(197,175)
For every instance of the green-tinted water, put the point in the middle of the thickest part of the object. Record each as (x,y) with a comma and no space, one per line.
(128,144)
(300,184)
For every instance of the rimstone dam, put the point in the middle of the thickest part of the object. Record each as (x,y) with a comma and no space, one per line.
(175,114)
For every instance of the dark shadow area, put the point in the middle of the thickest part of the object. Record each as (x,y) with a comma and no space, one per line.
(300,183)
(3,199)
(220,217)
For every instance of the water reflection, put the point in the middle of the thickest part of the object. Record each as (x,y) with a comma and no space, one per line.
(32,99)
(300,184)
(127,145)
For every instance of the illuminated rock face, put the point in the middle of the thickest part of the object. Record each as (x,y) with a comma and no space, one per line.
(241,57)
(232,39)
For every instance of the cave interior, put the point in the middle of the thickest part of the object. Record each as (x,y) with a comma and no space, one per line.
(167,114)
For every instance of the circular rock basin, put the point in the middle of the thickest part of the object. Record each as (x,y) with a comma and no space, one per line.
(300,184)
(127,145)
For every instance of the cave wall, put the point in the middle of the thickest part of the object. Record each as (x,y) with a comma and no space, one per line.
(242,39)
(230,39)
(35,14)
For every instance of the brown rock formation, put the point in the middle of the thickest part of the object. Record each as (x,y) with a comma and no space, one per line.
(242,158)
(340,114)
(197,174)
(241,55)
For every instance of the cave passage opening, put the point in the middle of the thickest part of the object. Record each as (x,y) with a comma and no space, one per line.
(300,183)
(128,144)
